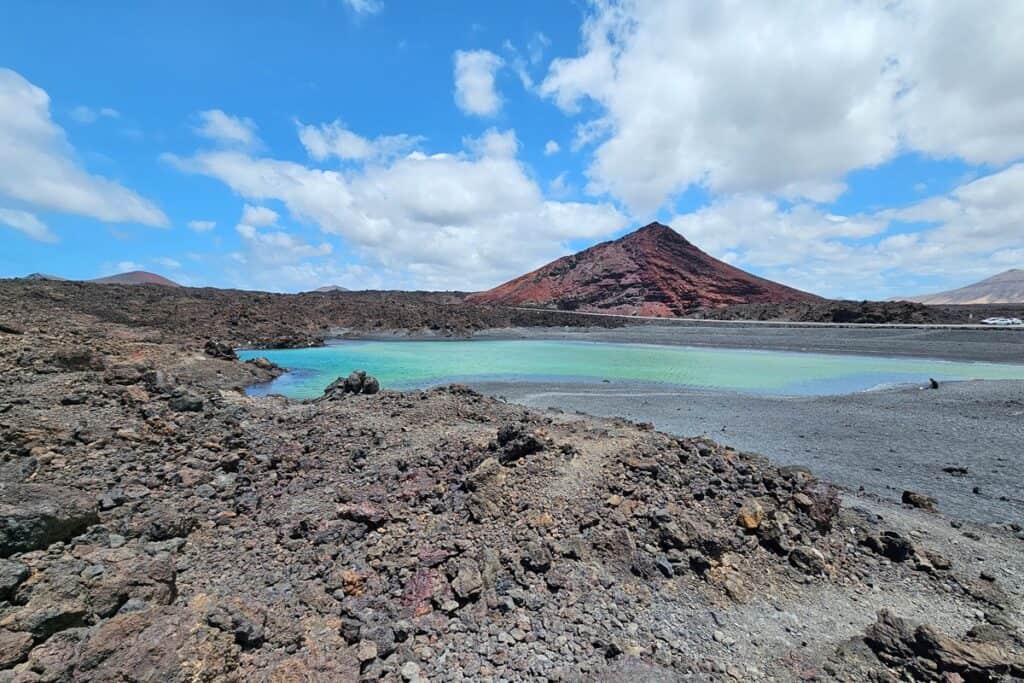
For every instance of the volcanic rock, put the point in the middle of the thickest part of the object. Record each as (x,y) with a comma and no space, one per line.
(32,516)
(653,271)
(918,500)
(216,349)
(11,574)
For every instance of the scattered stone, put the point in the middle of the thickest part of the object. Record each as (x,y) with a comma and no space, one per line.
(809,560)
(356,382)
(517,442)
(919,500)
(186,401)
(366,651)
(12,573)
(410,672)
(891,545)
(370,385)
(751,515)
(78,359)
(441,532)
(927,654)
(536,557)
(14,647)
(32,516)
(467,582)
(216,349)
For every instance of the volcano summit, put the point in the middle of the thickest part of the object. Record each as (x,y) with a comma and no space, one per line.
(653,271)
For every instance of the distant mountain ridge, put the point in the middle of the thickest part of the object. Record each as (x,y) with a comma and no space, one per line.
(1005,288)
(136,277)
(653,271)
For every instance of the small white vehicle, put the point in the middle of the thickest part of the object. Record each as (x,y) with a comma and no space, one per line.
(1002,322)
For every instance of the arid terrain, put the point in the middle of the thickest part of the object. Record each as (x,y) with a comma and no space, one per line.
(653,271)
(157,524)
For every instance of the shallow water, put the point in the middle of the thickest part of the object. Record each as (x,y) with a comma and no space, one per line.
(419,364)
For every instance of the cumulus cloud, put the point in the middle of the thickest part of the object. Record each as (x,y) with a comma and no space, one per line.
(258,216)
(968,234)
(441,220)
(551,147)
(475,91)
(84,114)
(961,70)
(28,224)
(334,139)
(215,125)
(277,247)
(201,226)
(786,97)
(39,168)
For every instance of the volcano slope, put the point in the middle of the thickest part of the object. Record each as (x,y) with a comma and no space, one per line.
(652,271)
(156,524)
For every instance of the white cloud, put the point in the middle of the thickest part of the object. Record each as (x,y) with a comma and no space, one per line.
(201,226)
(978,221)
(168,262)
(27,223)
(215,125)
(438,221)
(971,233)
(84,114)
(364,6)
(124,267)
(560,187)
(258,216)
(277,248)
(536,47)
(784,97)
(334,139)
(474,82)
(38,166)
(962,65)
(551,147)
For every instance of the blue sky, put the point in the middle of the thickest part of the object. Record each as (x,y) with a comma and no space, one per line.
(860,150)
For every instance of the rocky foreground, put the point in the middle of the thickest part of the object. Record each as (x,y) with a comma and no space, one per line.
(156,524)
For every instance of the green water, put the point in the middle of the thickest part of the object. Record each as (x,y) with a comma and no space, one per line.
(418,364)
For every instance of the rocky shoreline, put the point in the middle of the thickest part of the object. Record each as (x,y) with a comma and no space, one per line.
(156,524)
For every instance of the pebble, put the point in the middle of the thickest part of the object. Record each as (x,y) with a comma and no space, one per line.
(410,671)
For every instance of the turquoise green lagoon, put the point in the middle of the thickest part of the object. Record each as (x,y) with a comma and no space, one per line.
(421,364)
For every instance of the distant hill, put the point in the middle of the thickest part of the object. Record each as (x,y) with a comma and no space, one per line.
(331,288)
(42,276)
(1004,288)
(653,271)
(136,277)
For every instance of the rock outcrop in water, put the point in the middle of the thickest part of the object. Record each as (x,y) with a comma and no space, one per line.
(160,525)
(653,271)
(357,382)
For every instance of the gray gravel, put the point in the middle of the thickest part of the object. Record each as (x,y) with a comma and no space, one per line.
(885,441)
(993,345)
